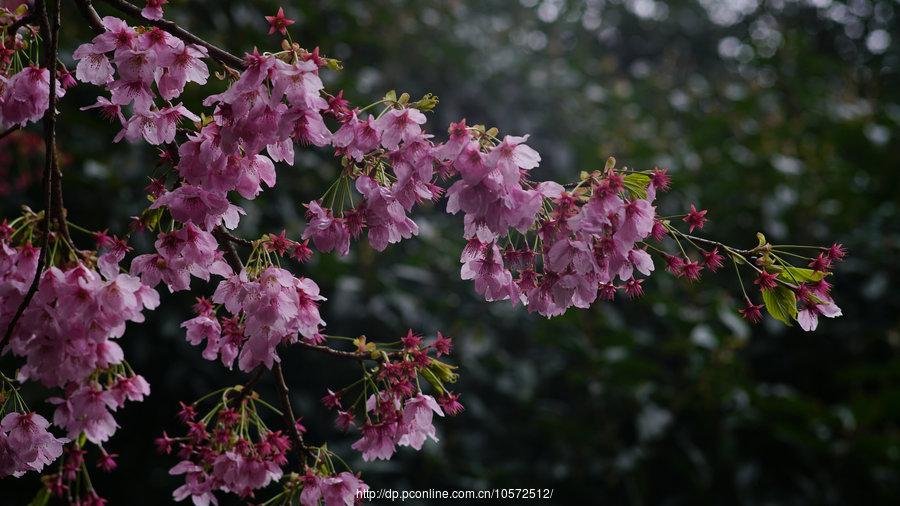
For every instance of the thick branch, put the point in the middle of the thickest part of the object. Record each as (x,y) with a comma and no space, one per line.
(48,33)
(216,52)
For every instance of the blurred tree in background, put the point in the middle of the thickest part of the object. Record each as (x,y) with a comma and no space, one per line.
(779,116)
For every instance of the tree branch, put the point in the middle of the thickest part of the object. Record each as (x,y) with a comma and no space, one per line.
(49,60)
(333,352)
(9,131)
(216,52)
(247,387)
(228,236)
(289,419)
(87,11)
(231,255)
(19,23)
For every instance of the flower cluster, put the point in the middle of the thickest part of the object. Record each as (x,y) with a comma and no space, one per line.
(272,308)
(67,337)
(396,412)
(179,255)
(219,453)
(140,60)
(25,444)
(67,331)
(547,246)
(24,96)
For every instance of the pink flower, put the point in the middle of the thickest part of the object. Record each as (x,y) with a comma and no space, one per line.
(299,82)
(836,251)
(125,92)
(65,332)
(118,36)
(305,126)
(416,424)
(357,137)
(712,260)
(378,441)
(167,119)
(279,22)
(766,280)
(399,125)
(638,222)
(107,461)
(93,65)
(132,388)
(327,232)
(442,345)
(691,270)
(204,328)
(343,489)
(450,403)
(385,217)
(198,485)
(136,65)
(108,110)
(637,259)
(808,317)
(25,97)
(751,312)
(511,156)
(153,9)
(492,280)
(86,410)
(695,218)
(26,444)
(181,67)
(204,208)
(255,169)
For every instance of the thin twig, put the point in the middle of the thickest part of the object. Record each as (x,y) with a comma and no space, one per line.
(19,23)
(8,131)
(216,52)
(356,355)
(87,11)
(288,411)
(231,256)
(224,234)
(247,387)
(715,243)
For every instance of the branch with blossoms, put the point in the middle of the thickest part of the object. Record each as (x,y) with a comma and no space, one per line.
(66,300)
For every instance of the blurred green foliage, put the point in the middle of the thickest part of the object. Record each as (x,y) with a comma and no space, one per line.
(779,116)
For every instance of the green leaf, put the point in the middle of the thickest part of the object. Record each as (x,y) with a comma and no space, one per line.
(781,303)
(426,103)
(637,184)
(800,275)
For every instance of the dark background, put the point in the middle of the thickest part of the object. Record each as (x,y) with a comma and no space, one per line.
(777,116)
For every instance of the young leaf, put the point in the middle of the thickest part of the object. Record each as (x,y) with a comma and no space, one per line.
(781,303)
(800,275)
(637,184)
